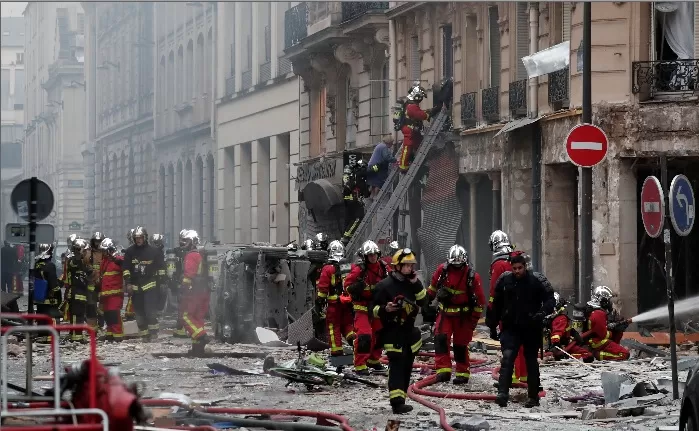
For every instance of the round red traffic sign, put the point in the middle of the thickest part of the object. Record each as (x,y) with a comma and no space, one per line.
(586,145)
(652,206)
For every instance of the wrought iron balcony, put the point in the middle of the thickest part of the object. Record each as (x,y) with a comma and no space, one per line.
(491,104)
(283,67)
(295,25)
(265,72)
(559,86)
(468,110)
(674,76)
(354,9)
(230,85)
(518,98)
(246,80)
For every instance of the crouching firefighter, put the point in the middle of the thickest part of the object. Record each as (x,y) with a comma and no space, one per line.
(562,335)
(47,290)
(112,290)
(143,265)
(457,287)
(195,293)
(604,327)
(397,302)
(338,316)
(79,274)
(360,284)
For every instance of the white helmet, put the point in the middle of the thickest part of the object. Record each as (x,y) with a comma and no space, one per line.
(336,251)
(416,93)
(108,246)
(499,241)
(45,251)
(394,247)
(370,247)
(192,238)
(601,297)
(457,255)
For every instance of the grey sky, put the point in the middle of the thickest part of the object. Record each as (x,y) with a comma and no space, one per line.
(12,8)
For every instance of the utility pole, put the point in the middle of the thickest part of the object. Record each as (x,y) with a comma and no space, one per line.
(586,173)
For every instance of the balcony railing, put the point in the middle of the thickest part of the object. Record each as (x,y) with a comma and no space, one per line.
(468,110)
(283,67)
(295,25)
(518,98)
(230,85)
(247,80)
(559,86)
(354,9)
(676,76)
(265,72)
(491,104)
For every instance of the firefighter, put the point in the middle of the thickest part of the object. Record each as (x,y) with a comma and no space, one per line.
(605,327)
(397,301)
(143,265)
(321,242)
(129,313)
(157,240)
(563,336)
(196,293)
(457,287)
(411,123)
(354,190)
(64,308)
(93,313)
(360,285)
(521,301)
(79,273)
(112,289)
(338,317)
(176,281)
(45,270)
(393,248)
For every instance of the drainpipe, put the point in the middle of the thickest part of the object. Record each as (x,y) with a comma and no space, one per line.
(392,68)
(214,60)
(536,140)
(156,68)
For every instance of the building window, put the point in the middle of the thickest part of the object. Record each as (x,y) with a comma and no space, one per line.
(494,45)
(20,58)
(447,53)
(5,89)
(414,59)
(74,184)
(351,135)
(522,39)
(11,155)
(81,23)
(565,22)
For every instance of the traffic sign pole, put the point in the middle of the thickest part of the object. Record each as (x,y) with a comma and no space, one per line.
(32,250)
(585,287)
(669,284)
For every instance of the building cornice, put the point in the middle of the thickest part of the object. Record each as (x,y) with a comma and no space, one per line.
(202,129)
(133,124)
(406,7)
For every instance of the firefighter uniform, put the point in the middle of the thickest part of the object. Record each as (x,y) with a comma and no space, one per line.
(605,343)
(64,281)
(180,253)
(561,336)
(460,307)
(112,295)
(143,265)
(338,316)
(401,339)
(93,312)
(360,284)
(79,275)
(196,296)
(45,269)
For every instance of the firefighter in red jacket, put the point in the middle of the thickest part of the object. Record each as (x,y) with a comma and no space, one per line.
(393,248)
(112,289)
(360,284)
(196,293)
(604,333)
(413,124)
(563,336)
(457,287)
(338,316)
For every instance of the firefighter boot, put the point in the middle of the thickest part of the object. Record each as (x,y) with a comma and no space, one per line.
(401,409)
(199,346)
(180,333)
(532,402)
(443,377)
(460,380)
(377,368)
(501,399)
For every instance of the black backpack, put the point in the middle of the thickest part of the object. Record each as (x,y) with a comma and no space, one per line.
(399,118)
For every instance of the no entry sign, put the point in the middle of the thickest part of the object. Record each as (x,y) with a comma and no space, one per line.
(586,145)
(652,207)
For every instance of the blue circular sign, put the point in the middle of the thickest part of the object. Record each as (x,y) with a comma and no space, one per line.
(682,205)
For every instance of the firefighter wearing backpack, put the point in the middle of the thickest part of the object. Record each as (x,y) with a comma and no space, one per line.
(457,287)
(196,293)
(563,336)
(409,118)
(45,270)
(360,284)
(112,289)
(338,316)
(603,333)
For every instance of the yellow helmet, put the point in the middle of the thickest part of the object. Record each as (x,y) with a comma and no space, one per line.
(403,256)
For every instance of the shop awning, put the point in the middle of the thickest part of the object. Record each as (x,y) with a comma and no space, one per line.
(516,124)
(320,195)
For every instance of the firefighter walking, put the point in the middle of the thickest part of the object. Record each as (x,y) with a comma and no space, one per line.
(112,291)
(79,273)
(360,284)
(196,293)
(93,312)
(129,312)
(45,275)
(398,300)
(64,308)
(457,287)
(338,316)
(143,265)
(175,269)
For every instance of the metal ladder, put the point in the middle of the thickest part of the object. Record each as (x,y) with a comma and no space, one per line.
(388,200)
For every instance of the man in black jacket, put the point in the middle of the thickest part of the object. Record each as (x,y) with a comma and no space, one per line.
(521,301)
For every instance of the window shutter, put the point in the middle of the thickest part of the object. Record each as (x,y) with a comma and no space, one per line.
(494,42)
(522,39)
(565,22)
(414,59)
(447,52)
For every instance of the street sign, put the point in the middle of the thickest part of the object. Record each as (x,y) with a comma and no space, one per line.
(652,206)
(681,204)
(19,233)
(586,145)
(74,226)
(20,199)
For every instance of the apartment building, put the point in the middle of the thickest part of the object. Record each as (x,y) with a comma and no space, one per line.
(54,108)
(513,171)
(257,117)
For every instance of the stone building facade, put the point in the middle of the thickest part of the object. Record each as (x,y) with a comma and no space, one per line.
(513,130)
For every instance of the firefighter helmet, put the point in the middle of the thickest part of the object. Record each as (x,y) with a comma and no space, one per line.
(80,245)
(416,93)
(129,236)
(45,251)
(183,234)
(322,241)
(336,251)
(140,231)
(108,246)
(560,302)
(192,238)
(370,247)
(498,241)
(157,240)
(601,297)
(457,255)
(96,240)
(394,247)
(403,256)
(71,238)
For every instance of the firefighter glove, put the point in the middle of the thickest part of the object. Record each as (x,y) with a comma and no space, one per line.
(435,110)
(443,295)
(355,290)
(320,303)
(130,288)
(429,314)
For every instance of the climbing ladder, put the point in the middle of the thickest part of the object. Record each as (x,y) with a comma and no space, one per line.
(388,200)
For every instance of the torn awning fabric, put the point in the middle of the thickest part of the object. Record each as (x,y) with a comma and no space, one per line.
(320,195)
